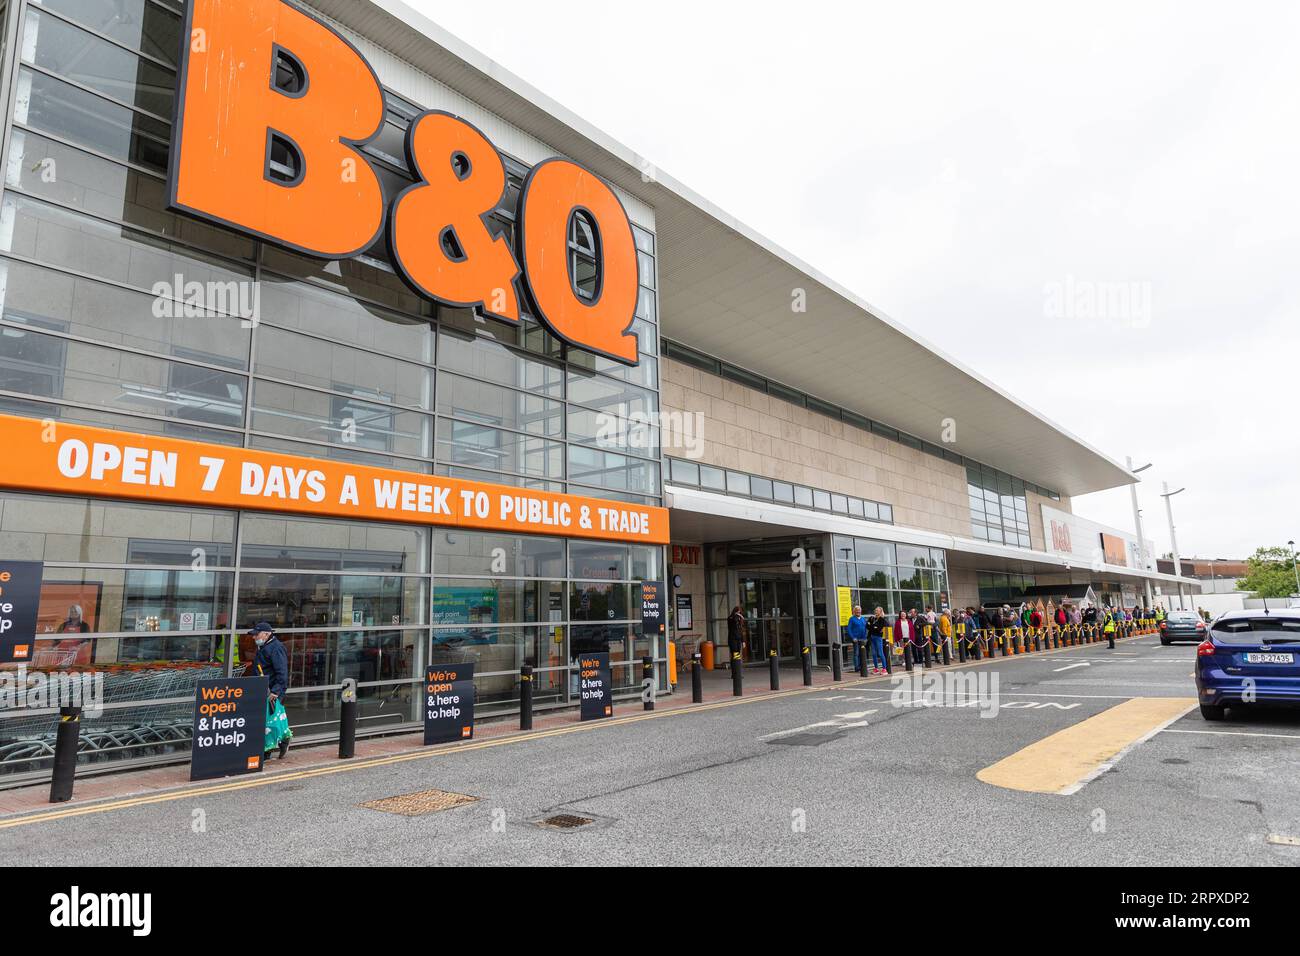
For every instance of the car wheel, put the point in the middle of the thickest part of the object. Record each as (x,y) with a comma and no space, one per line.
(1212,711)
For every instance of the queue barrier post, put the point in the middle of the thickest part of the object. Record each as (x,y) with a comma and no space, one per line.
(65,754)
(348,720)
(648,683)
(908,663)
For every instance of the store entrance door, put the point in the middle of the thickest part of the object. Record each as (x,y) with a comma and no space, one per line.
(772,607)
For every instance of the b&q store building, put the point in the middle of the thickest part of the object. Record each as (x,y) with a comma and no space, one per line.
(314,315)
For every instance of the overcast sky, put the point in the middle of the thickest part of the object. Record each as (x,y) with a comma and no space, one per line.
(978,171)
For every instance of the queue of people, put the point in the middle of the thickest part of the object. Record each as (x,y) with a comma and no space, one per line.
(922,629)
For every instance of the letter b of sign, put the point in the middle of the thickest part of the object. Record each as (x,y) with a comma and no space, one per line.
(261,143)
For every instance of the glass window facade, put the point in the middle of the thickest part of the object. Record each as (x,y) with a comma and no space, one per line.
(896,577)
(999,587)
(117,312)
(689,473)
(999,512)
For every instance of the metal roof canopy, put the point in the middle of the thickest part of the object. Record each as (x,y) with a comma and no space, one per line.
(726,290)
(711,517)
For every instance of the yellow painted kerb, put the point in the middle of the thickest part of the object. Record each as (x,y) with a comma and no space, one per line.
(1061,762)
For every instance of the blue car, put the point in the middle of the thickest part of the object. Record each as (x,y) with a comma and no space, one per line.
(1249,657)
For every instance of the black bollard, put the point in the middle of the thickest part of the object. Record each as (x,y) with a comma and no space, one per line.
(1110,640)
(526,697)
(907,655)
(348,721)
(648,683)
(947,653)
(737,678)
(65,754)
(889,658)
(863,657)
(961,649)
(697,679)
(1006,645)
(774,670)
(837,662)
(807,667)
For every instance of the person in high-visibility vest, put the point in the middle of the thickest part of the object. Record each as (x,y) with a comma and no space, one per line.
(220,654)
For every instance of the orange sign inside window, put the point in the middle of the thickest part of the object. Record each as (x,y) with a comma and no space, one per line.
(79,460)
(271,107)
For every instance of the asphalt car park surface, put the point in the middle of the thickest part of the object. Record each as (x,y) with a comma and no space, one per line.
(863,772)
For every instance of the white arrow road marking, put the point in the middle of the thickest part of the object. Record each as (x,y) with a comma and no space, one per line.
(837,722)
(798,730)
(1071,667)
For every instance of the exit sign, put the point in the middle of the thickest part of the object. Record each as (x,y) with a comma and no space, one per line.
(686,554)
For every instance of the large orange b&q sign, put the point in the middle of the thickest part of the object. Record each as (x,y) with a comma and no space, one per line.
(259,77)
(97,462)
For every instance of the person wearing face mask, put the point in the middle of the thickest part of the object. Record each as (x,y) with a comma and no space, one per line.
(272,662)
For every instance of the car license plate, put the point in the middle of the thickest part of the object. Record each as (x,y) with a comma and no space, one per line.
(1270,658)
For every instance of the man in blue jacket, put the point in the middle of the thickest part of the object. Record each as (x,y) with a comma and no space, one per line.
(858,635)
(271,662)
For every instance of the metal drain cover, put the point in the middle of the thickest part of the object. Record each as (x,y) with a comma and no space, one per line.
(565,821)
(419,804)
(568,820)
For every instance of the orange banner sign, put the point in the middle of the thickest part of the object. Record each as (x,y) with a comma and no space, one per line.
(55,457)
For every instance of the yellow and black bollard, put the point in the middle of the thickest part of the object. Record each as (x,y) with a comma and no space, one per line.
(66,741)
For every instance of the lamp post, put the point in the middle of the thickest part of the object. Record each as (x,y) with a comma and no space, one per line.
(1294,567)
(1137,523)
(1173,540)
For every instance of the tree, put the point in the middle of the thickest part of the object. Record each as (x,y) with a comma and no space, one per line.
(1270,573)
